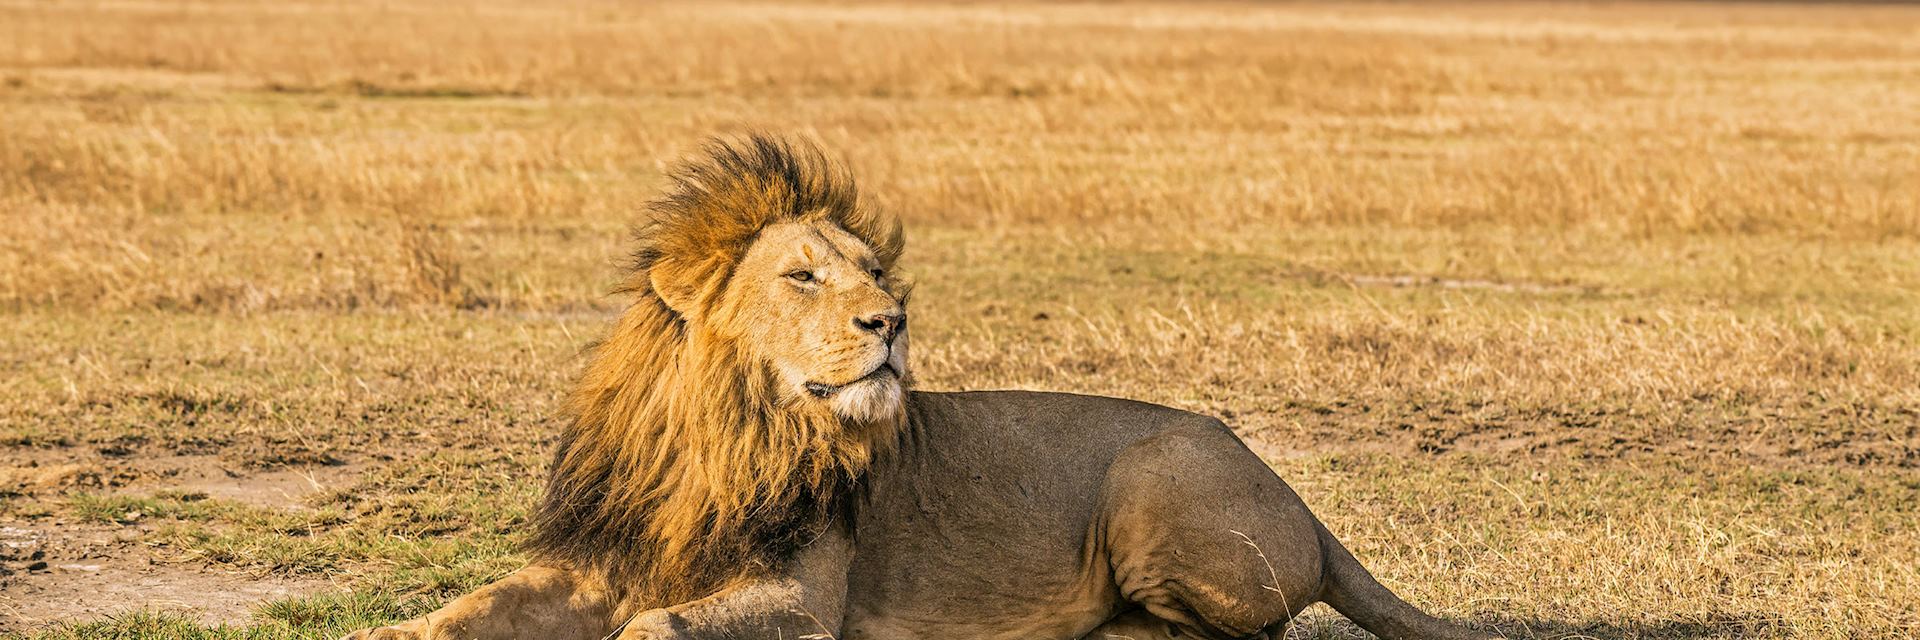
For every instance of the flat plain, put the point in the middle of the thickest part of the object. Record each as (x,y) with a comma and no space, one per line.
(1573,320)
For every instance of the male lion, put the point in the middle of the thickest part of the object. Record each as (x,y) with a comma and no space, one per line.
(746,460)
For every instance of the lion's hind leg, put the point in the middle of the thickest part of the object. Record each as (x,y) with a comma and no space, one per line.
(1201,534)
(534,602)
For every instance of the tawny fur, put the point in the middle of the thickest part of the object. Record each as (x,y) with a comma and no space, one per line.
(682,467)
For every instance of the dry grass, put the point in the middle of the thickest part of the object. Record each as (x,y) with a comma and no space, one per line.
(1596,320)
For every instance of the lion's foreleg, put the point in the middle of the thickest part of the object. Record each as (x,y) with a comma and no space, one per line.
(805,598)
(534,602)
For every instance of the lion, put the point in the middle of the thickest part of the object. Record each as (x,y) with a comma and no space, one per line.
(747,457)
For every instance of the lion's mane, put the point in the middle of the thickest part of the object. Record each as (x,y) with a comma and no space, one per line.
(682,467)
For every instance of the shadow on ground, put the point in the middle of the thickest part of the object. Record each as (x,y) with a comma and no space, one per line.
(1722,626)
(1329,626)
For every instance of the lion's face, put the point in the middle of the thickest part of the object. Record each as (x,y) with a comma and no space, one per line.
(814,302)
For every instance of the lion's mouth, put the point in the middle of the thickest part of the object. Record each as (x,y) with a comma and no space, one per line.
(823,390)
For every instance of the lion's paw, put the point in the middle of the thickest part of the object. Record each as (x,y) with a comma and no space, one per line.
(658,624)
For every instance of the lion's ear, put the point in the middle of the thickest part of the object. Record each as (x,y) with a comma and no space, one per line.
(682,285)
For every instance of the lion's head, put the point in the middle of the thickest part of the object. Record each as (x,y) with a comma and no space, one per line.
(760,367)
(815,307)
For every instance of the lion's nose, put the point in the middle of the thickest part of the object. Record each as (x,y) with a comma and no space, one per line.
(886,325)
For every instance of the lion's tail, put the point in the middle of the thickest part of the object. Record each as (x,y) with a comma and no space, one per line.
(1352,591)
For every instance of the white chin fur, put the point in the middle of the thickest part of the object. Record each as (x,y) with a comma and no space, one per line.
(869,401)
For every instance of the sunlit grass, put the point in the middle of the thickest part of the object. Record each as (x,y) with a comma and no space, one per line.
(1578,321)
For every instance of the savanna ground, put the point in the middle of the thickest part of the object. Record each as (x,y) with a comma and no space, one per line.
(1574,321)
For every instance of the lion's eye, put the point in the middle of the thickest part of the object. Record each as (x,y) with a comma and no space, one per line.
(879,273)
(801,276)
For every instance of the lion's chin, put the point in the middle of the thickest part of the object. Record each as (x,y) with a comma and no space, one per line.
(870,401)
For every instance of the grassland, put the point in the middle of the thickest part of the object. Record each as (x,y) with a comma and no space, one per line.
(1594,320)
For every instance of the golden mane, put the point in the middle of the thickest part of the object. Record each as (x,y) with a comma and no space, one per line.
(682,467)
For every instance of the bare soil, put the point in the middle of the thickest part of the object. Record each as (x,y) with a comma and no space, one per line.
(54,569)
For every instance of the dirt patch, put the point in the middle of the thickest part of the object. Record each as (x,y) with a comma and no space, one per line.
(53,571)
(283,488)
(29,471)
(45,472)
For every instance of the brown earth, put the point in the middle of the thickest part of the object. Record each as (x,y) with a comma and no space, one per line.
(56,569)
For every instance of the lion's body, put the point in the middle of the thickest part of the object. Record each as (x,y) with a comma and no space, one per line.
(744,462)
(1023,515)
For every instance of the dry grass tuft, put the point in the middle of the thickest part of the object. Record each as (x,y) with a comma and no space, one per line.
(433,270)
